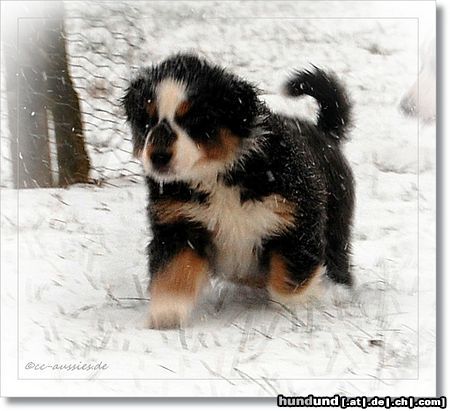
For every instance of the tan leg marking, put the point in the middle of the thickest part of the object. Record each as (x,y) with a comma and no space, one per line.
(174,290)
(146,151)
(283,289)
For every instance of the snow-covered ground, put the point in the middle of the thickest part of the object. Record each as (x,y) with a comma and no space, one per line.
(81,251)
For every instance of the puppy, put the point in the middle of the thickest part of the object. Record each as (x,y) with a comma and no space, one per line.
(236,191)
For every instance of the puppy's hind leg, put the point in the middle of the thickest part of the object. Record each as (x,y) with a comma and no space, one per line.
(338,256)
(288,286)
(338,235)
(296,260)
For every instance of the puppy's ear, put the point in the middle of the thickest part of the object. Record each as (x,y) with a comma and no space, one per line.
(242,99)
(133,101)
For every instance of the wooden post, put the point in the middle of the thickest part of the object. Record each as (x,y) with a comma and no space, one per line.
(38,81)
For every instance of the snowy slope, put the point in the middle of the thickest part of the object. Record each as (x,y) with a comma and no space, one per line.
(82,263)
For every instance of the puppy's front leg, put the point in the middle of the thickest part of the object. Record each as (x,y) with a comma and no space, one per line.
(174,289)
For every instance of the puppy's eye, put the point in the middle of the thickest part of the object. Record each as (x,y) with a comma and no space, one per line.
(183,108)
(150,108)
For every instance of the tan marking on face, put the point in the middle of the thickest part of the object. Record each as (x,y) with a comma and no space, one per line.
(284,289)
(224,149)
(137,152)
(175,288)
(204,161)
(145,157)
(150,108)
(148,150)
(183,108)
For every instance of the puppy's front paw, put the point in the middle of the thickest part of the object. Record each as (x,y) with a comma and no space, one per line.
(170,312)
(174,290)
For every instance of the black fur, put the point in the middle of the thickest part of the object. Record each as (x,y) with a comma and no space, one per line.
(169,239)
(298,160)
(334,113)
(306,166)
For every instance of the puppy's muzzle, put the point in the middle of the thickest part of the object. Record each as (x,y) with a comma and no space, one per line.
(162,138)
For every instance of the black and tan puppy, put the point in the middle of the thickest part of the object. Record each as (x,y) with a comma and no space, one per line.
(235,190)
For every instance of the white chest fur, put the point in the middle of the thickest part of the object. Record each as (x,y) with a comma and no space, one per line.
(238,228)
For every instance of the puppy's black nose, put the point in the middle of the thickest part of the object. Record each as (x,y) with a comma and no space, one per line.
(161,159)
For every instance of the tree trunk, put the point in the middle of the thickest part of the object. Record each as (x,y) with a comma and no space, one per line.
(38,82)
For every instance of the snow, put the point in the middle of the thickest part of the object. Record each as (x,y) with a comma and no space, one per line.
(81,251)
